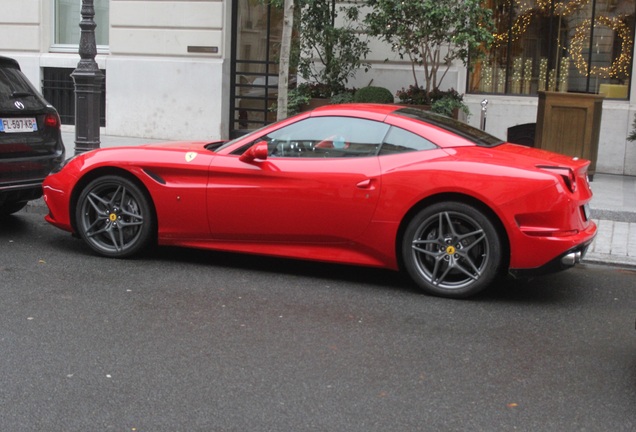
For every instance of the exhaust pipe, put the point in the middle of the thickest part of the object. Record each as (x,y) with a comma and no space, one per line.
(571,259)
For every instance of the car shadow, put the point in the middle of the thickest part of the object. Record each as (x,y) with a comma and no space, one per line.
(12,224)
(548,289)
(287,266)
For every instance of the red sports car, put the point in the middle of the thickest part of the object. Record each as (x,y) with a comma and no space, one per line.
(371,185)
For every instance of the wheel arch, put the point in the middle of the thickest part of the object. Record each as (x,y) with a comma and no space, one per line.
(453,197)
(101,172)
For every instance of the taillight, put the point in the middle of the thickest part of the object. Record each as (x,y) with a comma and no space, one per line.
(568,176)
(52,120)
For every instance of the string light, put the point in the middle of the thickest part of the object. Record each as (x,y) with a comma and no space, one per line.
(519,26)
(543,73)
(564,73)
(527,75)
(516,74)
(561,8)
(524,11)
(620,66)
(487,79)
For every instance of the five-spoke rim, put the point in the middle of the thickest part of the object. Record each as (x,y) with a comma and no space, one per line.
(450,250)
(112,219)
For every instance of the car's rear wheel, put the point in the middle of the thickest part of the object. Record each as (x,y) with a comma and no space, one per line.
(451,249)
(114,217)
(11,207)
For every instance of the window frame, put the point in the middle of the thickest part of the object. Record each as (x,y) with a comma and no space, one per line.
(65,48)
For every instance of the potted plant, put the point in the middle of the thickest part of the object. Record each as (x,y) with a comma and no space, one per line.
(431,34)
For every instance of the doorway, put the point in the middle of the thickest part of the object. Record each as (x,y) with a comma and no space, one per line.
(257,28)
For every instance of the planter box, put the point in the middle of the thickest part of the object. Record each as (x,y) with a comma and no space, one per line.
(570,124)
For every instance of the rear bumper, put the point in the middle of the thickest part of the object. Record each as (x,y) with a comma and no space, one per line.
(20,192)
(564,261)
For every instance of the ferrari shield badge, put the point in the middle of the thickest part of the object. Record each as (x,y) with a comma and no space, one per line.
(189,157)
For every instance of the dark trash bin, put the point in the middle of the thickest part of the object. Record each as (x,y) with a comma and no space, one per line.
(522,134)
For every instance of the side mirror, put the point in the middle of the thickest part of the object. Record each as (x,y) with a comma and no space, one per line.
(257,151)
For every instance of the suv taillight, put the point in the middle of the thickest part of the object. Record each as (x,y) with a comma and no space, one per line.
(52,120)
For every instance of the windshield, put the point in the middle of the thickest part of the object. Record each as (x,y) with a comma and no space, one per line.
(477,136)
(229,143)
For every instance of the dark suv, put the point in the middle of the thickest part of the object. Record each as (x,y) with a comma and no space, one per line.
(30,139)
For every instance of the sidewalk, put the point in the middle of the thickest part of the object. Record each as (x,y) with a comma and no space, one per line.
(614,211)
(613,208)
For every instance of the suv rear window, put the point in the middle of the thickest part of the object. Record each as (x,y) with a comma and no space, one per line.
(13,83)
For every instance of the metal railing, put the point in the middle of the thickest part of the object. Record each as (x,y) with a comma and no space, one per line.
(59,89)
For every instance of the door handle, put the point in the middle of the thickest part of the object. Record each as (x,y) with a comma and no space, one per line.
(366,184)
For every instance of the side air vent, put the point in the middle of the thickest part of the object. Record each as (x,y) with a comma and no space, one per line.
(155,177)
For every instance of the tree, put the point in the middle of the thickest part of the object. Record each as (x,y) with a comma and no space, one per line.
(284,60)
(432,33)
(330,54)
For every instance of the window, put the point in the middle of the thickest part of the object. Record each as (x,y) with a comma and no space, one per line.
(558,45)
(327,137)
(67,19)
(401,141)
(477,136)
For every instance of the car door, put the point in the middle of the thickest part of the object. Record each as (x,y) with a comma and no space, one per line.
(319,184)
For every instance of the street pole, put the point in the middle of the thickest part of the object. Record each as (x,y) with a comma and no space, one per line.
(88,80)
(484,109)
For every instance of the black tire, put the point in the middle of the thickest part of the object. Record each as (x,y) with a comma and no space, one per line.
(114,217)
(11,207)
(451,249)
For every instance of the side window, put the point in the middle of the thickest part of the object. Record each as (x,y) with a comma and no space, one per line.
(327,137)
(401,141)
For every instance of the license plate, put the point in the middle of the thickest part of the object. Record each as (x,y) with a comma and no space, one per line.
(586,211)
(13,125)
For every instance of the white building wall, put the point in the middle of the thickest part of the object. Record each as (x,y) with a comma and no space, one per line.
(20,25)
(156,85)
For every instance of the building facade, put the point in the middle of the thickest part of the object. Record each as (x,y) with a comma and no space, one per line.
(207,69)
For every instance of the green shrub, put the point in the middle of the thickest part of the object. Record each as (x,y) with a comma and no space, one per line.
(447,104)
(372,94)
(342,98)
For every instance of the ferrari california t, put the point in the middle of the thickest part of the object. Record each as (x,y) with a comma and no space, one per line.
(370,185)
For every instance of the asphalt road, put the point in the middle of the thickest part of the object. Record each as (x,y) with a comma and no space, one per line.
(183,340)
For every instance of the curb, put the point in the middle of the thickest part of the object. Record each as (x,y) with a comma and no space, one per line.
(610,260)
(613,215)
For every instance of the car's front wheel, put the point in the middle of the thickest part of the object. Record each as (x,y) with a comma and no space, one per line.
(114,217)
(451,249)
